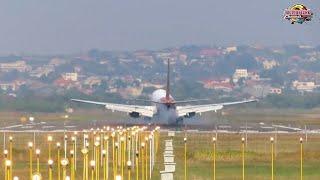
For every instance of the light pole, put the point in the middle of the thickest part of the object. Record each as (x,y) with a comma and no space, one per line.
(137,165)
(8,165)
(5,152)
(85,163)
(10,156)
(129,147)
(30,145)
(129,169)
(104,153)
(150,154)
(142,160)
(65,145)
(49,145)
(75,150)
(64,164)
(214,157)
(122,154)
(116,159)
(59,164)
(301,158)
(106,139)
(146,156)
(113,155)
(38,160)
(50,164)
(72,165)
(243,146)
(97,156)
(36,176)
(92,165)
(73,139)
(185,158)
(272,157)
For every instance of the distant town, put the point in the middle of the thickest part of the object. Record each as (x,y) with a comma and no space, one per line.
(234,72)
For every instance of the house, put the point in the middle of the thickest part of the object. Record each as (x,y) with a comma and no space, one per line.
(231,49)
(240,73)
(154,85)
(147,59)
(307,86)
(70,76)
(61,82)
(130,92)
(5,86)
(42,71)
(92,81)
(254,76)
(275,91)
(20,66)
(223,85)
(269,64)
(209,53)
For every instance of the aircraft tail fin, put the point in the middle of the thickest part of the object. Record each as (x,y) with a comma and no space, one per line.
(168,81)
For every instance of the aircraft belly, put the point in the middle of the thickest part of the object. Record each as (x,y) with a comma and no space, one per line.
(166,115)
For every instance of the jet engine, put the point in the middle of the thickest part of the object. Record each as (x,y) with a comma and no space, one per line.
(135,114)
(190,115)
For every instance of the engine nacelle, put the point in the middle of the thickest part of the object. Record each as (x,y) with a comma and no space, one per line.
(135,114)
(190,115)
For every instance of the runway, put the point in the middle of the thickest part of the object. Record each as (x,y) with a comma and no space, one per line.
(57,126)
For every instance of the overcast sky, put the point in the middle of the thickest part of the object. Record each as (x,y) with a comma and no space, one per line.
(68,26)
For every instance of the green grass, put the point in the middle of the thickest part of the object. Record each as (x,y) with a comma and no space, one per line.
(199,156)
(257,157)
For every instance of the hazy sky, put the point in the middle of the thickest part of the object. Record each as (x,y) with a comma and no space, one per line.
(67,26)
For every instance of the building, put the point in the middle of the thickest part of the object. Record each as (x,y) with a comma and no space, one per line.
(92,81)
(20,66)
(70,76)
(15,85)
(231,49)
(209,53)
(42,71)
(154,85)
(224,85)
(240,73)
(269,64)
(308,86)
(254,76)
(7,86)
(130,92)
(275,91)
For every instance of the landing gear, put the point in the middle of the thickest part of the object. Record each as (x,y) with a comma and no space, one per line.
(179,121)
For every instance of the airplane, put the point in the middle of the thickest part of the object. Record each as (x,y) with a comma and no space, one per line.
(164,109)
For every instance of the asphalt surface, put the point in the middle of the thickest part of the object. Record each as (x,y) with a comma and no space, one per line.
(219,127)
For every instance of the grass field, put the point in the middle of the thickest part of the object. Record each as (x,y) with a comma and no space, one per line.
(257,156)
(228,163)
(199,155)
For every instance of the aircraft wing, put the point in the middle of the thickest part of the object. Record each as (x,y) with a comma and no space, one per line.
(185,110)
(147,111)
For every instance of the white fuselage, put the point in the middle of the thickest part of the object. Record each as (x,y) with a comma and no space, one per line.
(166,113)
